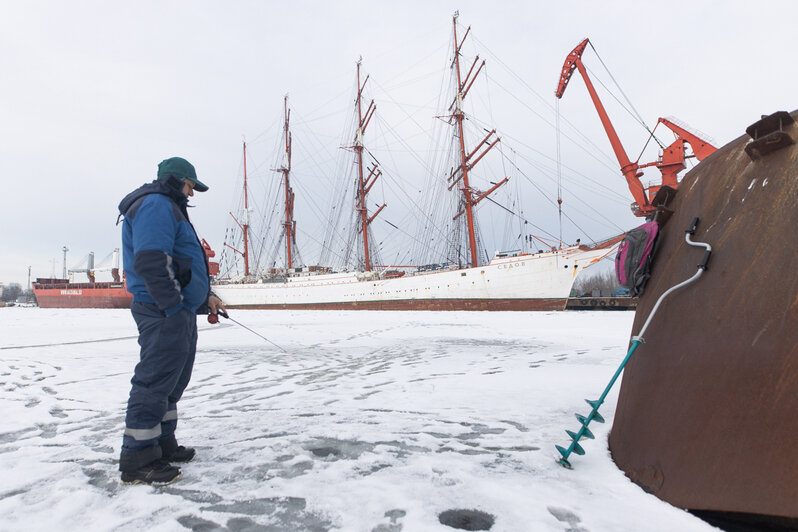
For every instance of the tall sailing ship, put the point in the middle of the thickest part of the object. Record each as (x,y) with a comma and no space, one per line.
(467,281)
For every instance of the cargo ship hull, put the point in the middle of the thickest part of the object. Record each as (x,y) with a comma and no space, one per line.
(59,293)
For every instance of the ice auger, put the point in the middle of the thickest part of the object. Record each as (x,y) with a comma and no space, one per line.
(584,432)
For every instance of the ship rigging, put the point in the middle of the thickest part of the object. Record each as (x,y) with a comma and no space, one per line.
(454,273)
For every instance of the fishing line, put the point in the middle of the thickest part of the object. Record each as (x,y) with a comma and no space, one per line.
(213,318)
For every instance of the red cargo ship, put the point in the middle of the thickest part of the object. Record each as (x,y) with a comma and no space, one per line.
(62,293)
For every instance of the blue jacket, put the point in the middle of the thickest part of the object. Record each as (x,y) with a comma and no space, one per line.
(163,259)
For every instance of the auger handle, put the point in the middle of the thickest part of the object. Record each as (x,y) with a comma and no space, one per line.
(705,260)
(693,226)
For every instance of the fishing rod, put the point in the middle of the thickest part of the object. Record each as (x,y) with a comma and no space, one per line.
(214,318)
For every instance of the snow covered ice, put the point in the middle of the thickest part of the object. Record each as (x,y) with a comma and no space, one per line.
(374,421)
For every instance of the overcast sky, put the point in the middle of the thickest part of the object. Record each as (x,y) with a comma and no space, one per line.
(94,94)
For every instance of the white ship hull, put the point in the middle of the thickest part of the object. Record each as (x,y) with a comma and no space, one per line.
(541,281)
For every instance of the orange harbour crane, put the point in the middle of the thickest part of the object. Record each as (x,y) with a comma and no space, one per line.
(670,163)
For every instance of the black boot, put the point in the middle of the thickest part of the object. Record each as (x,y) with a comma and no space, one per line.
(147,467)
(158,473)
(172,452)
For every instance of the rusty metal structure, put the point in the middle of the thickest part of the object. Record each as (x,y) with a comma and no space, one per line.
(706,417)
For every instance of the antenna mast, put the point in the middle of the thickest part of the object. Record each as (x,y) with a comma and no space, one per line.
(471,196)
(65,249)
(364,184)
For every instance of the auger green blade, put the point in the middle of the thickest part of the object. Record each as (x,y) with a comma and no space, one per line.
(578,449)
(586,434)
(582,419)
(597,417)
(563,451)
(594,404)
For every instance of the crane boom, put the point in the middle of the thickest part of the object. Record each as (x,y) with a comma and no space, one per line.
(569,67)
(629,169)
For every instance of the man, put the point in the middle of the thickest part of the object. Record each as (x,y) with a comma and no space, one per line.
(167,273)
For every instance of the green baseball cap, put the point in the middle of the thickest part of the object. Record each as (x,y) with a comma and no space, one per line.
(181,169)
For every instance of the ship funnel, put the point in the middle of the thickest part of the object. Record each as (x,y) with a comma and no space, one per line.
(90,267)
(115,266)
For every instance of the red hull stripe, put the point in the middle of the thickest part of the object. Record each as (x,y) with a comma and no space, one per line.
(87,298)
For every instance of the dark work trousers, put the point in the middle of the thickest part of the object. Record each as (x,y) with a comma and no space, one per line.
(168,345)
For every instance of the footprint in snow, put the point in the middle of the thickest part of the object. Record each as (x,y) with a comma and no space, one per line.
(567,516)
(58,412)
(394,525)
(32,402)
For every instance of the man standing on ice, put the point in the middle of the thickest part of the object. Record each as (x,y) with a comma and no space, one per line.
(167,273)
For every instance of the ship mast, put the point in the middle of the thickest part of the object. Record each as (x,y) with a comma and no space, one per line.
(471,196)
(244,223)
(289,225)
(245,218)
(364,184)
